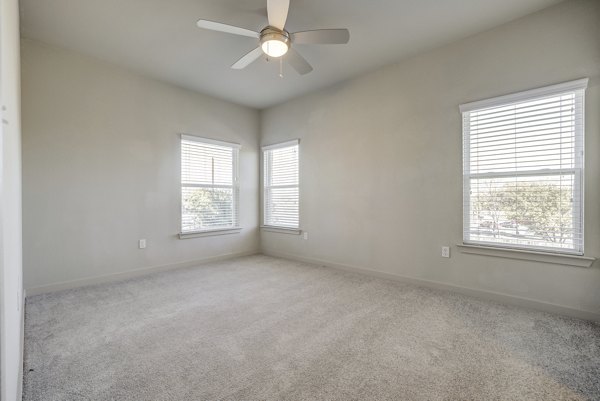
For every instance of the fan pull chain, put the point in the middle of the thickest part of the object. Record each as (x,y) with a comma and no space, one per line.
(280,67)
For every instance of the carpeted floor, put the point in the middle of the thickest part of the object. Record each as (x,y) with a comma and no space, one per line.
(260,328)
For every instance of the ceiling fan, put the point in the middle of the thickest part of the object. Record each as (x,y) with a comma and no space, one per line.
(275,41)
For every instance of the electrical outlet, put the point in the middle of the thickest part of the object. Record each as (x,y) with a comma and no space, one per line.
(445,251)
(142,244)
(305,235)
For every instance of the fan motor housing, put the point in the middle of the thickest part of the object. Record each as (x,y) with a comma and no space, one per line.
(272,33)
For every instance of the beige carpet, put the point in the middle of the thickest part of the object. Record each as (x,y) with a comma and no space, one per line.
(260,328)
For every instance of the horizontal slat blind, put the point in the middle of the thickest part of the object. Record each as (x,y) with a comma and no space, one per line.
(281,190)
(523,172)
(209,190)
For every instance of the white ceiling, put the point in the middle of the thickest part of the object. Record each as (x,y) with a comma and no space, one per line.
(159,38)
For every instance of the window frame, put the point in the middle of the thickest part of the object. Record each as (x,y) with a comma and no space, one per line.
(235,228)
(578,171)
(264,225)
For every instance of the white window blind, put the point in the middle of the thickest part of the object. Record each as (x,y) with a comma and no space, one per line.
(523,169)
(209,184)
(281,185)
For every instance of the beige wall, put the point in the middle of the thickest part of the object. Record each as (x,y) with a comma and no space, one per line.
(381,178)
(101,168)
(380,162)
(11,279)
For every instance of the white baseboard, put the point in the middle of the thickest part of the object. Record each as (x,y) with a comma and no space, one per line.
(482,294)
(65,285)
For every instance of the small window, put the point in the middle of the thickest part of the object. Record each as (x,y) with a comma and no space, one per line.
(209,185)
(523,169)
(281,185)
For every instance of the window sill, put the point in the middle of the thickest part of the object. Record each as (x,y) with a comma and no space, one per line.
(554,258)
(210,233)
(281,230)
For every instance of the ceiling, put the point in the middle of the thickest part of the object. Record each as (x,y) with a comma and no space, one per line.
(159,38)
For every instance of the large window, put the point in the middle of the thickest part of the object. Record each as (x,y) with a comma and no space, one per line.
(523,169)
(209,184)
(280,182)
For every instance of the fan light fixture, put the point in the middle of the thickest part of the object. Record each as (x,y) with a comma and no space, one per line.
(274,42)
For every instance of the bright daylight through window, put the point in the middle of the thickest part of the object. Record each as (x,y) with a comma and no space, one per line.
(523,169)
(281,185)
(209,184)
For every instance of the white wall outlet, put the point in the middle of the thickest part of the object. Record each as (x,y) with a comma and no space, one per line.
(305,235)
(142,244)
(445,251)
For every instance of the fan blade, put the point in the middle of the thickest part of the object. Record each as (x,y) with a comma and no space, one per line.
(248,59)
(217,26)
(298,62)
(322,37)
(277,11)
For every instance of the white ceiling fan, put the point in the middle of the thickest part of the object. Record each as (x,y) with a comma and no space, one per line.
(275,41)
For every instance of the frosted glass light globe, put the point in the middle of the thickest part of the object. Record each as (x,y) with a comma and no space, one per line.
(274,48)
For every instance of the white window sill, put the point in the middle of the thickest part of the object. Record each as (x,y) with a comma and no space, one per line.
(210,233)
(554,258)
(281,230)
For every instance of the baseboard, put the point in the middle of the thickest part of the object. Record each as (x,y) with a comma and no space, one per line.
(482,294)
(65,285)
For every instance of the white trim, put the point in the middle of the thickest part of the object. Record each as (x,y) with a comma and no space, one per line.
(188,185)
(281,230)
(466,165)
(472,292)
(235,188)
(210,233)
(286,144)
(526,254)
(544,250)
(265,151)
(576,87)
(579,188)
(22,346)
(109,278)
(525,95)
(197,138)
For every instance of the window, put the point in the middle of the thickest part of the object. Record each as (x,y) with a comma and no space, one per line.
(523,169)
(280,181)
(209,185)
